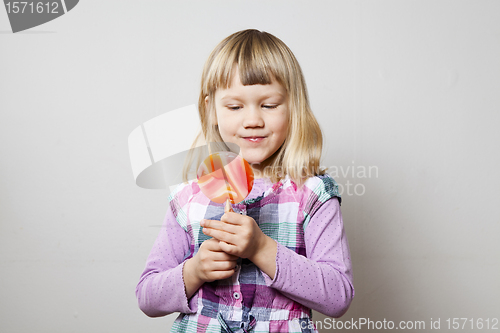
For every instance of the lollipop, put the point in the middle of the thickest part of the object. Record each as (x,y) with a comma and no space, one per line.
(225,177)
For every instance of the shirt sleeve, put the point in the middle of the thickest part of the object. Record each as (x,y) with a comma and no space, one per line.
(323,280)
(161,290)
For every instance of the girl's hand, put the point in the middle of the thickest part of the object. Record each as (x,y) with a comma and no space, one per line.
(239,235)
(210,263)
(213,263)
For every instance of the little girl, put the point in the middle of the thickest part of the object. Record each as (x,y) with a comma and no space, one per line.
(283,250)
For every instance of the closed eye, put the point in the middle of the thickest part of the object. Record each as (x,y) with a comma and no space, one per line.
(270,106)
(233,107)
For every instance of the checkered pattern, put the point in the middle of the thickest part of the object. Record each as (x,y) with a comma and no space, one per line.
(244,302)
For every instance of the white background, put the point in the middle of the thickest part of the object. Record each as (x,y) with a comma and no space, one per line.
(411,88)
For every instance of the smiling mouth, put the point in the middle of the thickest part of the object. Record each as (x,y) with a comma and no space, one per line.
(254,138)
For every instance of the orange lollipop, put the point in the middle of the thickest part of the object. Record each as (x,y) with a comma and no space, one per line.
(225,177)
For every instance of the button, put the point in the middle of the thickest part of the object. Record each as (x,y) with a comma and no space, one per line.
(236,295)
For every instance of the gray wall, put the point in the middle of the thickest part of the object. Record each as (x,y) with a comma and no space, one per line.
(410,89)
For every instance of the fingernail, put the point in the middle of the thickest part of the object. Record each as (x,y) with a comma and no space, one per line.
(202,223)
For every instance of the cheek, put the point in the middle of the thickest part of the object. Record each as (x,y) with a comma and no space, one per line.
(223,124)
(220,119)
(281,125)
(225,128)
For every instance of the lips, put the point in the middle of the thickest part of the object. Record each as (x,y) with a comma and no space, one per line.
(254,138)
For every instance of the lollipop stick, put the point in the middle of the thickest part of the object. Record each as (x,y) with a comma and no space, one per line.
(223,174)
(228,207)
(228,188)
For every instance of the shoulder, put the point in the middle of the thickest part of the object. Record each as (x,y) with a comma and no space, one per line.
(316,188)
(183,192)
(180,198)
(315,192)
(323,188)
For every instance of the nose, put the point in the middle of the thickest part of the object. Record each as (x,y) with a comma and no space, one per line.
(253,117)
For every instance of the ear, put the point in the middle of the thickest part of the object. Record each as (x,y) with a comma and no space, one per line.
(213,115)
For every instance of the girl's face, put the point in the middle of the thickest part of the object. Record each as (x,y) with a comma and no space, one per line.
(254,117)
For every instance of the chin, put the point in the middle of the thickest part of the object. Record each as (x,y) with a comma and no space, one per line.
(252,162)
(253,158)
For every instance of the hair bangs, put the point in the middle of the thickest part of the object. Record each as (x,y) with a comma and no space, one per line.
(253,62)
(257,58)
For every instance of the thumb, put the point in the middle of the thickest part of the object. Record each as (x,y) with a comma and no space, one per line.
(226,247)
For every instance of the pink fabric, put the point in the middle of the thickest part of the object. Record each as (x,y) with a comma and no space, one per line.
(324,285)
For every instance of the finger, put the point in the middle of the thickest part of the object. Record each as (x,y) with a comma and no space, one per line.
(212,249)
(227,247)
(232,257)
(220,235)
(226,257)
(234,218)
(211,244)
(219,225)
(222,256)
(221,275)
(223,265)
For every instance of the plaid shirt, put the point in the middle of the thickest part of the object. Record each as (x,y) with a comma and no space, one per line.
(248,301)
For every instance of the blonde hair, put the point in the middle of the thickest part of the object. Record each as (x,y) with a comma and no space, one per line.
(261,57)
